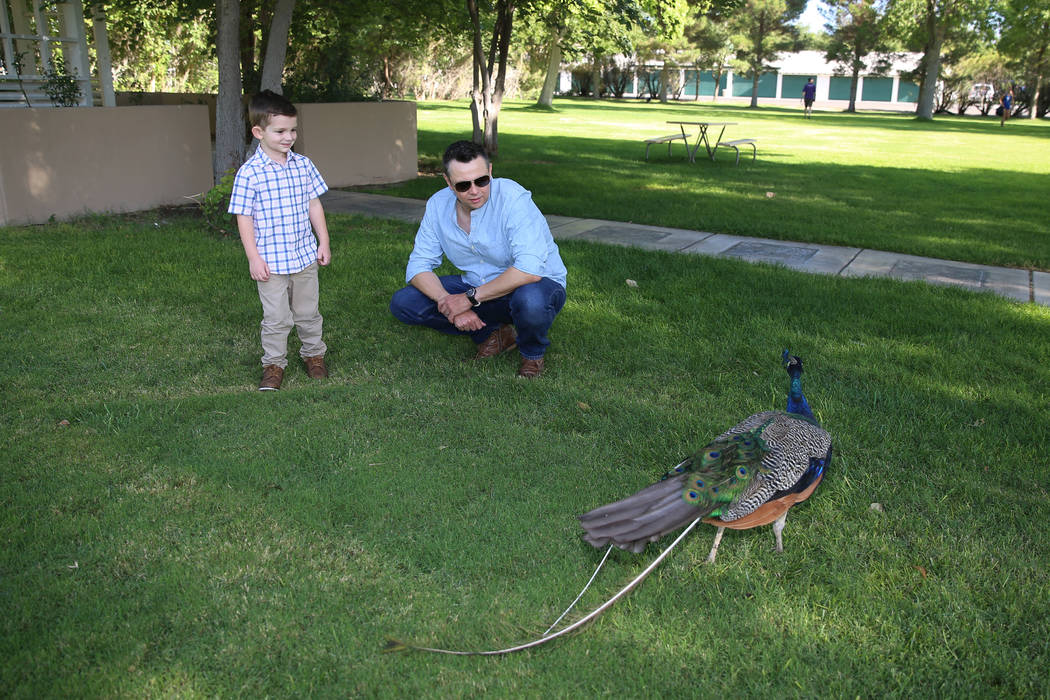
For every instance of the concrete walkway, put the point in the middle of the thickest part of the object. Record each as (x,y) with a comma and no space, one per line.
(1022,285)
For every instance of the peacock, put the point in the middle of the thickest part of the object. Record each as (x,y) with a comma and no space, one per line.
(748,476)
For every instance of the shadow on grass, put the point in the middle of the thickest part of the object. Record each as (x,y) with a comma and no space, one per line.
(901,121)
(979,215)
(285,534)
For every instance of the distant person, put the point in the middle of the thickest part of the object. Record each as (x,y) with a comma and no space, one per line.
(512,281)
(809,94)
(275,197)
(1006,104)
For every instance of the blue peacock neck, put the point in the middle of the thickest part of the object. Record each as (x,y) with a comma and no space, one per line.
(796,402)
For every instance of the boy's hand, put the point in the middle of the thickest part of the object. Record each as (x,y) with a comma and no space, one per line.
(258,269)
(324,254)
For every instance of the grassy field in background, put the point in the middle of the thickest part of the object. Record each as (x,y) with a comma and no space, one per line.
(169,531)
(958,188)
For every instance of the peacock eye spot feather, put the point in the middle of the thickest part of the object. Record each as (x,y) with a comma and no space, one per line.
(742,472)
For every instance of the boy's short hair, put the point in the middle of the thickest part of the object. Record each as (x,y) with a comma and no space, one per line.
(464,152)
(267,104)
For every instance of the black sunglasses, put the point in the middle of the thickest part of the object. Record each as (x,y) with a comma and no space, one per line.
(482,181)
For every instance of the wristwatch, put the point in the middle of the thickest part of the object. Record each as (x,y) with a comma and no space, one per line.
(470,294)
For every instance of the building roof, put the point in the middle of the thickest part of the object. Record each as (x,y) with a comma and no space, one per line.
(814,63)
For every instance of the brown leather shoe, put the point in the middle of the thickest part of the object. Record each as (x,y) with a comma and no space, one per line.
(271,379)
(315,367)
(530,369)
(500,340)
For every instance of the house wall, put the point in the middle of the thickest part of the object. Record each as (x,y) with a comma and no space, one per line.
(68,162)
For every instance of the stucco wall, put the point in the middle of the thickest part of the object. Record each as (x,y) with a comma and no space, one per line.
(360,143)
(65,162)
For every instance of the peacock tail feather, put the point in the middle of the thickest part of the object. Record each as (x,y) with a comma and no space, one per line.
(717,475)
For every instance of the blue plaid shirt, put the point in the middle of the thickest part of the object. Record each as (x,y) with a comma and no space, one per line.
(507,231)
(277,197)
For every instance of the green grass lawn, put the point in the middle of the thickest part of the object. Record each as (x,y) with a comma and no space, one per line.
(958,188)
(169,531)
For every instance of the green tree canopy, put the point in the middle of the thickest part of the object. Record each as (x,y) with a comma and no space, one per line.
(1025,40)
(761,30)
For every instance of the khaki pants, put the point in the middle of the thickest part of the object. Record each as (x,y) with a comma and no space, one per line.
(289,300)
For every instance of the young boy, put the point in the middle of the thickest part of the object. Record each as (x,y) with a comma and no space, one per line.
(275,197)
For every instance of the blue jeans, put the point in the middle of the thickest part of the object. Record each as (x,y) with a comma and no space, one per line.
(531,309)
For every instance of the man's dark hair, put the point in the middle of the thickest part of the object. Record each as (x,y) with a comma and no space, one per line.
(265,105)
(464,152)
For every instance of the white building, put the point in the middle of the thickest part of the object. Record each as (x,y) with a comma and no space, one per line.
(884,90)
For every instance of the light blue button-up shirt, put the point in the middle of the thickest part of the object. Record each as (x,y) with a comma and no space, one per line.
(507,231)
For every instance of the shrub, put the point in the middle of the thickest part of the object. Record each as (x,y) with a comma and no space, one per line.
(61,85)
(215,204)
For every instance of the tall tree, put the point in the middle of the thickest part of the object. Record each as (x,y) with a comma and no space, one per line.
(1025,38)
(664,40)
(229,121)
(761,30)
(713,47)
(230,134)
(490,70)
(930,24)
(277,47)
(576,28)
(856,31)
(667,32)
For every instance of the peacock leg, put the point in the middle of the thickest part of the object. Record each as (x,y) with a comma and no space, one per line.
(714,547)
(778,529)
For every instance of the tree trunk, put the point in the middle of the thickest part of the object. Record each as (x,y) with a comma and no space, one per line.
(857,64)
(553,70)
(717,74)
(229,121)
(1034,111)
(246,44)
(754,89)
(277,47)
(664,81)
(487,94)
(935,32)
(480,87)
(596,78)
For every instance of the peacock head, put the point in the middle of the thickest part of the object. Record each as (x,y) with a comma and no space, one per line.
(792,364)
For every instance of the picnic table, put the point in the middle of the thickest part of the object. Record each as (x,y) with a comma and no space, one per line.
(701,137)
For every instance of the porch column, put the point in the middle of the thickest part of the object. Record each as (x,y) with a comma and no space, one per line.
(71,27)
(105,64)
